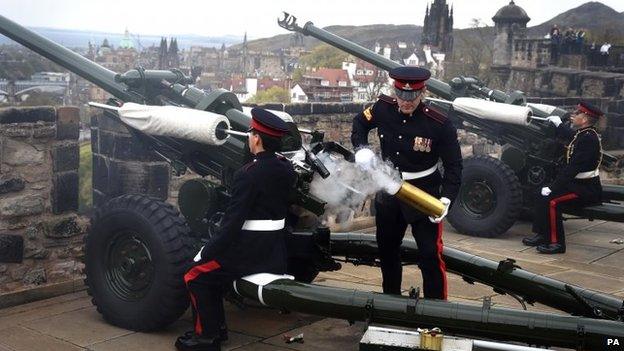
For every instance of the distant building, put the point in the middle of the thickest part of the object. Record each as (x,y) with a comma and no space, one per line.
(327,85)
(438,27)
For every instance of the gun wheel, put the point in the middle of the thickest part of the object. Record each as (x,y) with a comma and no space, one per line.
(489,200)
(136,253)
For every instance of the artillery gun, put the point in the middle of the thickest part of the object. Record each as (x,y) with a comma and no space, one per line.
(138,248)
(494,192)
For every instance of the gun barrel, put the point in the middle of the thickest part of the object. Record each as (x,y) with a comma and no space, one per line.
(502,276)
(474,320)
(66,58)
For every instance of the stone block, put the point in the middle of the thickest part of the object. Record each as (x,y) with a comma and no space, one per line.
(19,206)
(62,228)
(100,178)
(36,276)
(298,109)
(44,130)
(64,192)
(110,124)
(17,130)
(67,123)
(65,157)
(130,148)
(17,153)
(9,185)
(106,143)
(11,248)
(137,178)
(95,144)
(27,115)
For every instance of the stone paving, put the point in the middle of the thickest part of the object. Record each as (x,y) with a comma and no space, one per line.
(70,322)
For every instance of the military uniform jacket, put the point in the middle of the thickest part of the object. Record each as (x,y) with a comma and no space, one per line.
(414,143)
(260,191)
(583,155)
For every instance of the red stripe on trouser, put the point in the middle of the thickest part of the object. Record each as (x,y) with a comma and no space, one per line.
(442,265)
(553,213)
(191,275)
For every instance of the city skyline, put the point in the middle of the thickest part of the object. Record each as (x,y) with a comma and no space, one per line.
(256,19)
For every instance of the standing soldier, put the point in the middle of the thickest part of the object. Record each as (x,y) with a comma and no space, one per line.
(414,137)
(577,184)
(251,236)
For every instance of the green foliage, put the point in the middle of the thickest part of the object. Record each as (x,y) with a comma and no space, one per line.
(85,172)
(297,75)
(323,56)
(274,94)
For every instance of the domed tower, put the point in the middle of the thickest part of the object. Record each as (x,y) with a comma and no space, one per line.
(510,22)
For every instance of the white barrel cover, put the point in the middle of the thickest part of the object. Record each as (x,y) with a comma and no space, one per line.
(173,121)
(494,111)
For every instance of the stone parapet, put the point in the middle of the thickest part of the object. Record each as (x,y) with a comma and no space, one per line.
(40,232)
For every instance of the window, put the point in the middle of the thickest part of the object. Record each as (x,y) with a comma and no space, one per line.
(369,72)
(325,83)
(359,72)
(342,83)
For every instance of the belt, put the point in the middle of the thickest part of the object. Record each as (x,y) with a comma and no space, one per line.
(421,174)
(264,225)
(587,175)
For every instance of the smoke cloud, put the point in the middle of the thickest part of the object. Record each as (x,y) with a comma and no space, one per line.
(350,184)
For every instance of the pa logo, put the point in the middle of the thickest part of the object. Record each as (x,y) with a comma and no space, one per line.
(613,342)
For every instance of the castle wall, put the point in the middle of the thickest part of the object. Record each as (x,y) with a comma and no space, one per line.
(40,231)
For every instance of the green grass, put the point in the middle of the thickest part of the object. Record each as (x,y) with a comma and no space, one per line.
(85,172)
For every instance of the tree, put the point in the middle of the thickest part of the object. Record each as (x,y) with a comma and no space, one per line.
(323,56)
(273,94)
(473,55)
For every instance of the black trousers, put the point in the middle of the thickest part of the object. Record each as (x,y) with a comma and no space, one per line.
(547,218)
(205,283)
(391,226)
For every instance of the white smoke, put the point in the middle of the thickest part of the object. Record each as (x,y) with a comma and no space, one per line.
(350,184)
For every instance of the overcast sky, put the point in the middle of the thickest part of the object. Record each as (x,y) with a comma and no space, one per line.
(258,18)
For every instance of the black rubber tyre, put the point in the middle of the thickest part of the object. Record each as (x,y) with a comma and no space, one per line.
(136,253)
(490,198)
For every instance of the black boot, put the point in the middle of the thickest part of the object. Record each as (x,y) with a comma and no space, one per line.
(223,334)
(197,343)
(551,248)
(536,240)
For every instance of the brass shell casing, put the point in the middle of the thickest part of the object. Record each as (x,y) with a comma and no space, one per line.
(420,200)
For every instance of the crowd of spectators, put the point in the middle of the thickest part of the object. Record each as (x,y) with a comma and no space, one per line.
(572,41)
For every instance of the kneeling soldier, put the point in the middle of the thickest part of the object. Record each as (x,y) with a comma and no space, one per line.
(577,184)
(251,237)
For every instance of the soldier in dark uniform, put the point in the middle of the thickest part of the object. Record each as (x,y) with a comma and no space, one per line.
(414,137)
(576,184)
(251,237)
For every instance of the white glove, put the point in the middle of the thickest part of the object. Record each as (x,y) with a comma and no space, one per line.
(546,191)
(198,257)
(447,203)
(556,120)
(364,158)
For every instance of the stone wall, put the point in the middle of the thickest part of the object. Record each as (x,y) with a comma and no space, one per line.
(122,164)
(40,233)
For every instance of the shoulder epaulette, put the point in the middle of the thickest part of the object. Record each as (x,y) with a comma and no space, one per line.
(387,99)
(434,114)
